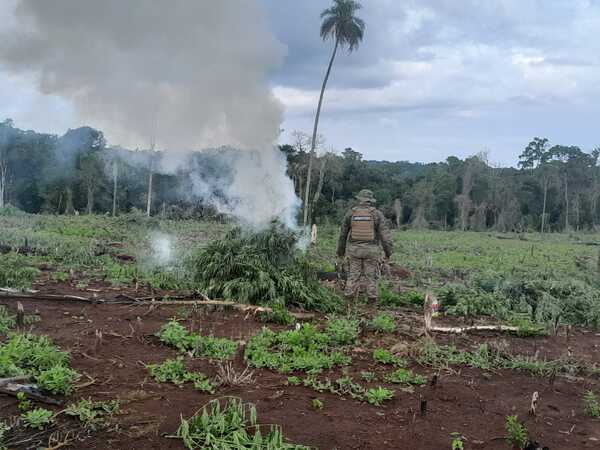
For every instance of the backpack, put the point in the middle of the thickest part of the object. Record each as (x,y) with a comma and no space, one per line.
(362,225)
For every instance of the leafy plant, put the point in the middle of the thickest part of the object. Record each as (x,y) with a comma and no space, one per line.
(317,404)
(517,433)
(232,425)
(37,418)
(388,297)
(457,441)
(176,335)
(342,331)
(93,414)
(278,314)
(591,405)
(386,357)
(4,429)
(383,323)
(262,268)
(376,396)
(405,376)
(24,404)
(58,380)
(368,376)
(174,371)
(305,349)
(294,381)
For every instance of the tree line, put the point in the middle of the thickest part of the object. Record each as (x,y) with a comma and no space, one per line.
(554,187)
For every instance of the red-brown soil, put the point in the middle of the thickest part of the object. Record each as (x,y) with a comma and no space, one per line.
(469,401)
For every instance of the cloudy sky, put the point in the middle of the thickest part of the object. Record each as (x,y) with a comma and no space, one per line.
(432,78)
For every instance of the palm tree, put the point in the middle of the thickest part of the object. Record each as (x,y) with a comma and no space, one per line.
(347,30)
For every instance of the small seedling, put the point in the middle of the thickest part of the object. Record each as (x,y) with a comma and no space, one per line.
(591,406)
(383,323)
(376,396)
(93,414)
(37,418)
(405,376)
(58,380)
(386,357)
(368,376)
(517,433)
(294,381)
(457,441)
(24,404)
(317,404)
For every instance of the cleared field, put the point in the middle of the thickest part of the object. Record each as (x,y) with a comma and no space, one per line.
(366,377)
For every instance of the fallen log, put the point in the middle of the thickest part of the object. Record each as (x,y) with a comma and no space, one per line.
(238,306)
(30,391)
(14,379)
(465,329)
(56,297)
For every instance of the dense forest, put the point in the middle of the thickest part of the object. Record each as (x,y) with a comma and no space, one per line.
(555,187)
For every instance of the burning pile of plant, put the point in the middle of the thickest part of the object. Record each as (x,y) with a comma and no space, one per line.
(264,267)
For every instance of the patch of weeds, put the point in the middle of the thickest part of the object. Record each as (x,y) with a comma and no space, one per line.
(457,441)
(388,297)
(405,376)
(294,381)
(368,376)
(174,371)
(24,404)
(25,354)
(591,405)
(93,415)
(383,323)
(232,425)
(278,314)
(15,271)
(4,429)
(58,380)
(305,349)
(317,404)
(8,321)
(176,335)
(37,418)
(343,386)
(376,396)
(527,328)
(517,433)
(342,331)
(383,356)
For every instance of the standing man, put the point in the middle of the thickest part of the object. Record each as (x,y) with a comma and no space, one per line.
(362,236)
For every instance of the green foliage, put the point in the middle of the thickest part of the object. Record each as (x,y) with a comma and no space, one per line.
(174,371)
(15,271)
(383,323)
(24,354)
(4,429)
(24,404)
(305,349)
(376,396)
(93,415)
(383,356)
(591,405)
(294,381)
(342,331)
(343,386)
(368,376)
(457,441)
(37,418)
(58,380)
(526,327)
(517,433)
(279,315)
(7,321)
(176,335)
(405,376)
(388,297)
(228,426)
(262,267)
(317,404)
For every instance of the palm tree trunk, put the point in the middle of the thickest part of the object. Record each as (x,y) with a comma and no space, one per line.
(319,187)
(544,205)
(149,199)
(566,203)
(115,176)
(90,199)
(314,136)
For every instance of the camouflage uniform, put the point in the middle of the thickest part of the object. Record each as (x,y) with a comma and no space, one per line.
(362,236)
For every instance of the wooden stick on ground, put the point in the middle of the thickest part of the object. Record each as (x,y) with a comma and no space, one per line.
(14,388)
(40,296)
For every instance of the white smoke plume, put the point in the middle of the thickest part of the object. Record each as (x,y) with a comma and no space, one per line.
(176,74)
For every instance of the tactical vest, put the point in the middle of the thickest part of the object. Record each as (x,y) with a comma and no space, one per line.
(362,225)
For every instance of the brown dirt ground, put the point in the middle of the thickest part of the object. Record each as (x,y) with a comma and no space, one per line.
(468,401)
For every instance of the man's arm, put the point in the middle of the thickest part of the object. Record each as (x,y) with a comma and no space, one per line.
(346,224)
(384,235)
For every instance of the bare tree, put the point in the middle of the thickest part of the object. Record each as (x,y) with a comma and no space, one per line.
(115,173)
(397,212)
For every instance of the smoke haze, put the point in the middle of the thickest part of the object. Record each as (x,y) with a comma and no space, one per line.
(179,74)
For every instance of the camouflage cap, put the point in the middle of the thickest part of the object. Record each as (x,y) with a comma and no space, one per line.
(366,195)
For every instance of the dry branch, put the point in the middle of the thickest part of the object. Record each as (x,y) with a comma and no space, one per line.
(14,388)
(39,296)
